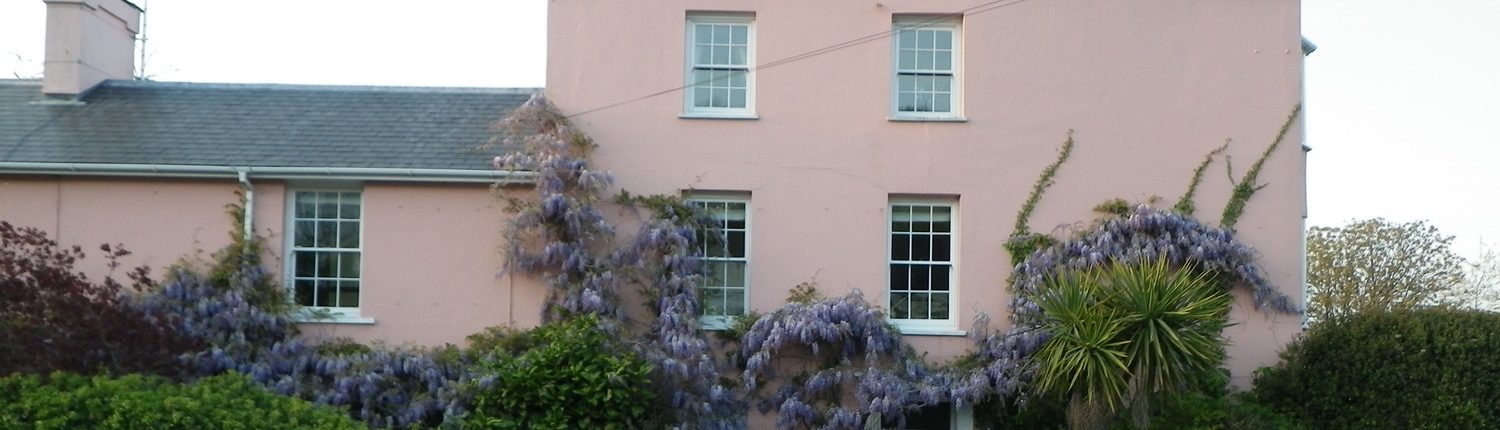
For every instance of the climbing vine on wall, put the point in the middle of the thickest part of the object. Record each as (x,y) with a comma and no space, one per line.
(825,347)
(561,234)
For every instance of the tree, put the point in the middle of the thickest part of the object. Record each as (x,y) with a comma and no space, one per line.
(1375,264)
(1126,332)
(1480,289)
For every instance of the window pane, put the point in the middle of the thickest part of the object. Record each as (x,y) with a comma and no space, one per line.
(906,103)
(908,39)
(734,302)
(348,234)
(328,264)
(737,56)
(921,217)
(702,54)
(733,216)
(328,205)
(924,83)
(900,305)
(721,34)
(943,83)
(701,97)
(923,103)
(944,39)
(944,61)
(713,301)
(327,235)
(924,39)
(737,80)
(349,206)
(901,218)
(919,281)
(924,60)
(703,33)
(939,306)
(307,205)
(907,60)
(940,277)
(900,247)
(942,247)
(305,264)
(737,98)
(900,277)
(721,95)
(735,241)
(349,265)
(734,275)
(919,306)
(302,290)
(348,294)
(906,83)
(921,247)
(304,233)
(741,35)
(721,55)
(326,295)
(941,103)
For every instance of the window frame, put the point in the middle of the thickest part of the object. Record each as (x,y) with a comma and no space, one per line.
(953,24)
(722,322)
(321,314)
(690,65)
(932,327)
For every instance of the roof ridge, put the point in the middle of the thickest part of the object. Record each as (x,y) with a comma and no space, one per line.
(122,83)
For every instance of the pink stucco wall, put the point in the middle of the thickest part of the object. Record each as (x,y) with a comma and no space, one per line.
(159,222)
(431,267)
(1148,87)
(431,253)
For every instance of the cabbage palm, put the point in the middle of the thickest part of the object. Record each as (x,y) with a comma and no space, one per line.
(1121,333)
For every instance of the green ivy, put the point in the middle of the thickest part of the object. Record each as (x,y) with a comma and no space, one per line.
(1022,241)
(1185,204)
(1247,185)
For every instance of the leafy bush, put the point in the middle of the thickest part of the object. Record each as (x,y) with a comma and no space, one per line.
(230,401)
(53,318)
(1216,411)
(575,376)
(1427,369)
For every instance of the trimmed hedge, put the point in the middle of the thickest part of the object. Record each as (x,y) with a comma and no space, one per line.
(228,402)
(1427,369)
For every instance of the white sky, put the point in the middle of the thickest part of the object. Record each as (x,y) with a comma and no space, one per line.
(1403,97)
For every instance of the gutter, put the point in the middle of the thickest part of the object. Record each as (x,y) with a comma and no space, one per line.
(244,173)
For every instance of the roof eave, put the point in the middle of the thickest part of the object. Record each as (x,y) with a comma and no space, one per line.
(279,173)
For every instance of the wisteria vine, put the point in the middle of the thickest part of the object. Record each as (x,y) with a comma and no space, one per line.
(562,235)
(844,343)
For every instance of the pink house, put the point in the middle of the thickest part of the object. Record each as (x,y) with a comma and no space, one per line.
(882,146)
(824,129)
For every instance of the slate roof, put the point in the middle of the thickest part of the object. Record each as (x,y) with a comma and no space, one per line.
(254,125)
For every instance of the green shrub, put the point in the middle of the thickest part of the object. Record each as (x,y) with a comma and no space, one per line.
(575,375)
(1427,369)
(229,401)
(1216,411)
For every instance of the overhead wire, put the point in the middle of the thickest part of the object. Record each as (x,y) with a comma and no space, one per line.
(969,11)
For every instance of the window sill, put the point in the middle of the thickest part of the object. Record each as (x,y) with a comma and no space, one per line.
(333,316)
(926,119)
(729,116)
(715,323)
(925,331)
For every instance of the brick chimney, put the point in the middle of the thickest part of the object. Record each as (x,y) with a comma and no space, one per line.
(88,41)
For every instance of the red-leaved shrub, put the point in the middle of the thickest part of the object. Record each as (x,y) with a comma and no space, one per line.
(53,318)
